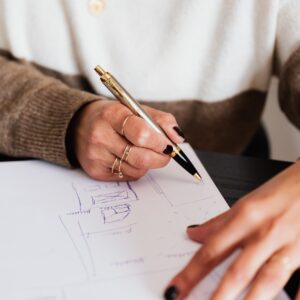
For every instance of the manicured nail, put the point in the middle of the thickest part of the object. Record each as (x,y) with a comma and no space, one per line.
(168,149)
(178,131)
(192,226)
(171,293)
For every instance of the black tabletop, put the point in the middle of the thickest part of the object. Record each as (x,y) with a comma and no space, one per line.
(235,176)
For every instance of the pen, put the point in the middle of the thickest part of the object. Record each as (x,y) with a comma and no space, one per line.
(126,99)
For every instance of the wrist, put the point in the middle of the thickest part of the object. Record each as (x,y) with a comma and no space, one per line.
(70,140)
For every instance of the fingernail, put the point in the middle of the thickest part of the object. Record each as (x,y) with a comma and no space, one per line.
(168,149)
(192,226)
(178,131)
(171,293)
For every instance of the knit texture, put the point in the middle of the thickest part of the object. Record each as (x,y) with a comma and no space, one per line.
(35,112)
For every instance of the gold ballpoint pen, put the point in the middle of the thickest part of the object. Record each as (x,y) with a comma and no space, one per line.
(126,99)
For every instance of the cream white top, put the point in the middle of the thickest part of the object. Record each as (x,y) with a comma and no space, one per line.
(159,50)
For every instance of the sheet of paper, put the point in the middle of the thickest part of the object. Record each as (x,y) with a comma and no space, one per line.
(65,236)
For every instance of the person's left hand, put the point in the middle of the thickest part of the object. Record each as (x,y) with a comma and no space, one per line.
(265,225)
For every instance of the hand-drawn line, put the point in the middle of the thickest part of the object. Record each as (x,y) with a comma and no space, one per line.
(194,201)
(110,197)
(83,212)
(88,248)
(77,195)
(156,187)
(103,185)
(102,194)
(132,190)
(106,231)
(117,213)
(76,248)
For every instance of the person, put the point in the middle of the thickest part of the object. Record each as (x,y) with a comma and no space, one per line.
(205,65)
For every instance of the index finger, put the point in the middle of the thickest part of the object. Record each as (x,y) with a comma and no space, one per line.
(139,133)
(136,130)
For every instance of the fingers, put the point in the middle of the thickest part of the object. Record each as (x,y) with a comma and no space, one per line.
(99,130)
(274,274)
(213,252)
(242,271)
(139,158)
(219,246)
(200,233)
(140,134)
(168,123)
(101,169)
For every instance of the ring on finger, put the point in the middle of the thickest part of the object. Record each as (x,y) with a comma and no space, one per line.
(126,153)
(113,165)
(119,172)
(124,123)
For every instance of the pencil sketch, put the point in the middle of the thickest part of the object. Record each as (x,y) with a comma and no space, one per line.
(101,209)
(115,213)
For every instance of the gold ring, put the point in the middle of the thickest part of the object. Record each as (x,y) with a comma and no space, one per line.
(124,123)
(284,260)
(126,153)
(119,173)
(113,166)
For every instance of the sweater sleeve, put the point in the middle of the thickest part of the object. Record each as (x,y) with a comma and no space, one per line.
(35,112)
(288,59)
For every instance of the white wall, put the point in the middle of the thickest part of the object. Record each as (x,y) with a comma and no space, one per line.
(284,137)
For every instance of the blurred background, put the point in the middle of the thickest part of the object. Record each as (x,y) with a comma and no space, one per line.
(284,137)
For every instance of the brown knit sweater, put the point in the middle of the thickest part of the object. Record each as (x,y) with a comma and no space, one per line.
(37,105)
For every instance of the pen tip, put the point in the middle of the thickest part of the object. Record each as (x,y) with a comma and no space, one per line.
(198,177)
(99,70)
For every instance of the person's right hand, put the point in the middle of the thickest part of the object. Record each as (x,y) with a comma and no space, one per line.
(102,135)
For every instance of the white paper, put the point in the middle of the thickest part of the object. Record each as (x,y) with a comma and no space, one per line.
(65,236)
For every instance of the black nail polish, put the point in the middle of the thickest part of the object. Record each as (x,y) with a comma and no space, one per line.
(171,293)
(168,149)
(192,226)
(178,131)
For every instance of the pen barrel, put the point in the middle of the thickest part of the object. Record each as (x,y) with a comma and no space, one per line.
(125,98)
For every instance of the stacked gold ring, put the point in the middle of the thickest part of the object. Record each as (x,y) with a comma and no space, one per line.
(119,172)
(126,153)
(120,161)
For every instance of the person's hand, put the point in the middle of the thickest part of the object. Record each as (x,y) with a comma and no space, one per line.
(265,225)
(110,139)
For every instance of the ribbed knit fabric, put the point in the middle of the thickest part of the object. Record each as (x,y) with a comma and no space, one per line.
(35,112)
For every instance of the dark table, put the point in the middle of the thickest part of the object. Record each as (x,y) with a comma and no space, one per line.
(235,176)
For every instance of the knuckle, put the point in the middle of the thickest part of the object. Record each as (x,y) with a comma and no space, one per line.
(95,135)
(143,137)
(106,111)
(236,274)
(207,254)
(251,212)
(90,154)
(272,277)
(141,162)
